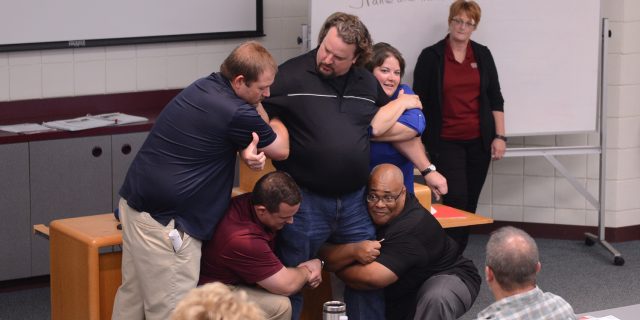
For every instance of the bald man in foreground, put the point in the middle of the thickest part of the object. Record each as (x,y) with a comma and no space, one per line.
(512,266)
(413,259)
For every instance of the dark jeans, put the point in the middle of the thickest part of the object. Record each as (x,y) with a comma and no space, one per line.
(465,165)
(341,219)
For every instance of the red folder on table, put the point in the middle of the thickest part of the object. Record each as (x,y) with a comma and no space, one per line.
(446,212)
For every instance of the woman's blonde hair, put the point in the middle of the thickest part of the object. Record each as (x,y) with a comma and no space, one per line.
(215,301)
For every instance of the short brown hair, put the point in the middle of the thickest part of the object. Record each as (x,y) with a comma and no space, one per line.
(352,31)
(274,188)
(470,8)
(249,59)
(381,51)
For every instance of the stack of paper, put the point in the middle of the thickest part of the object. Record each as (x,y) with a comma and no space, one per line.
(25,128)
(81,123)
(94,121)
(119,118)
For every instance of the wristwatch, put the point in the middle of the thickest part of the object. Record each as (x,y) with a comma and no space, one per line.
(428,170)
(501,137)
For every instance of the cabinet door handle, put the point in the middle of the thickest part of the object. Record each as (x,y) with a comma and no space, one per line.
(126,148)
(96,151)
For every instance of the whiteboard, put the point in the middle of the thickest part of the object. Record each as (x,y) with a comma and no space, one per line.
(546,52)
(42,24)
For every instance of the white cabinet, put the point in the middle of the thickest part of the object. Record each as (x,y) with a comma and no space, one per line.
(124,148)
(15,227)
(69,178)
(41,181)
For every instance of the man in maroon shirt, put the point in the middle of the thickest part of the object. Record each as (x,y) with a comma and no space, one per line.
(241,252)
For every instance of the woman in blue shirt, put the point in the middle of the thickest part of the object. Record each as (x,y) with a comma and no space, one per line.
(387,65)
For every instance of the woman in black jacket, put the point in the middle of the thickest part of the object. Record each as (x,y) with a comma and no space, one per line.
(457,82)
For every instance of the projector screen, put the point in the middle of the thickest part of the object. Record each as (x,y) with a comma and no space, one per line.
(44,24)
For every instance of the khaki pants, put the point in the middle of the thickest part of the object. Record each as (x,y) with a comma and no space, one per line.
(154,276)
(274,306)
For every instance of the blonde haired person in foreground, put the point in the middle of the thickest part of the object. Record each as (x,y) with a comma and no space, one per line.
(215,301)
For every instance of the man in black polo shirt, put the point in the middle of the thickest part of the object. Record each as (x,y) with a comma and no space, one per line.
(330,105)
(179,184)
(417,264)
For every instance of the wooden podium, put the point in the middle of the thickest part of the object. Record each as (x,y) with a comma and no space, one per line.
(83,280)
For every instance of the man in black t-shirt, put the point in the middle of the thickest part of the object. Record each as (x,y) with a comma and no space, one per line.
(413,259)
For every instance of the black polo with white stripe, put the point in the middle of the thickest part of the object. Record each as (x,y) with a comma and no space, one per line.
(329,124)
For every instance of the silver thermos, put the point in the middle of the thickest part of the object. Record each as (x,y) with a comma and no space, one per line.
(334,310)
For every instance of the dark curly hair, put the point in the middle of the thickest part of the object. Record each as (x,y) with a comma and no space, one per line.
(352,31)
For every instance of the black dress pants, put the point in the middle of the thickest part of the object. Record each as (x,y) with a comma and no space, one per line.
(465,165)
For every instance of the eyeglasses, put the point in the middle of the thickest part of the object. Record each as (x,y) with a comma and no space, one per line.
(460,23)
(387,199)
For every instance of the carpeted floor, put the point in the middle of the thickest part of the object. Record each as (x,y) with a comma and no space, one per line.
(25,304)
(584,276)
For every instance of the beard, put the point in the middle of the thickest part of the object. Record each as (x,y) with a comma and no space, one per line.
(330,75)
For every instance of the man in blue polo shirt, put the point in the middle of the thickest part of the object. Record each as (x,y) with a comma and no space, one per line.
(179,184)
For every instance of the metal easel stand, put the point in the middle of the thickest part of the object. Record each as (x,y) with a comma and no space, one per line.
(550,152)
(590,238)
